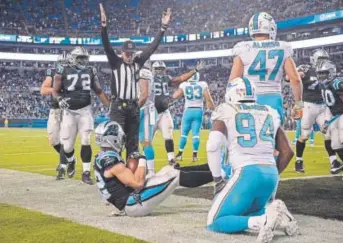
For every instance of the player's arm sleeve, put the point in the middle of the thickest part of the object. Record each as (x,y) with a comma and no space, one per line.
(111,55)
(148,51)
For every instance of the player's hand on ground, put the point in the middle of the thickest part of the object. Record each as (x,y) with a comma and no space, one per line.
(102,15)
(166,16)
(200,66)
(63,103)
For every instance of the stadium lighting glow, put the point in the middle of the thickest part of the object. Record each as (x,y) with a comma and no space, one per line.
(322,41)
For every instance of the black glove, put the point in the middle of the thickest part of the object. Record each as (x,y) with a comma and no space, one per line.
(63,102)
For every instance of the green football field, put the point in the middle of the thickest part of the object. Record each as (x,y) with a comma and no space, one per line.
(28,150)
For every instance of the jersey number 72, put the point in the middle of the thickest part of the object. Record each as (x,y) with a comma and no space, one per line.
(261,61)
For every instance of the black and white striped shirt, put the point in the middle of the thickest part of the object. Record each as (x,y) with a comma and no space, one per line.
(124,83)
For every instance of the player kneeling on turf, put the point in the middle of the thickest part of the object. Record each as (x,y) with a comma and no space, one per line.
(125,185)
(251,133)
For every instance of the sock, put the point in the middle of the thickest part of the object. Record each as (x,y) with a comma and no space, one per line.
(149,152)
(69,156)
(332,158)
(195,154)
(329,148)
(64,166)
(312,136)
(298,129)
(300,147)
(169,144)
(63,158)
(256,222)
(183,141)
(86,166)
(196,143)
(340,153)
(86,153)
(195,178)
(57,147)
(151,166)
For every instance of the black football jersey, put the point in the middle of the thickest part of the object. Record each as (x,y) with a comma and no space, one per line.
(311,85)
(162,94)
(111,189)
(77,85)
(331,95)
(50,72)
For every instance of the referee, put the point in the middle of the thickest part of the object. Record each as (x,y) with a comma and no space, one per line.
(124,107)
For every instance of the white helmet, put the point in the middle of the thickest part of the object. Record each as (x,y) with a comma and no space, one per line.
(326,70)
(195,77)
(318,55)
(159,67)
(79,57)
(262,23)
(110,134)
(240,89)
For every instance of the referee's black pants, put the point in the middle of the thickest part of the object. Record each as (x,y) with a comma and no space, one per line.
(126,113)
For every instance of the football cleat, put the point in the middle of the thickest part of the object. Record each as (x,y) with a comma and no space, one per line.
(179,156)
(173,163)
(273,220)
(61,172)
(288,223)
(299,166)
(195,157)
(86,178)
(71,169)
(336,167)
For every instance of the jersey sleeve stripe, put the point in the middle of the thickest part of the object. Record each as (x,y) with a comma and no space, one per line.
(248,86)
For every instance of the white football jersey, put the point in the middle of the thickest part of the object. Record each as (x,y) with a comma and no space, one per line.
(251,131)
(147,74)
(264,63)
(194,93)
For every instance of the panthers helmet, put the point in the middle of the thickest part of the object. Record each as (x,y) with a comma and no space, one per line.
(317,56)
(326,70)
(262,23)
(79,57)
(63,58)
(159,67)
(195,77)
(240,89)
(110,135)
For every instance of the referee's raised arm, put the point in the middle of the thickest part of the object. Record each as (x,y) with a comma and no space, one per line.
(148,51)
(111,55)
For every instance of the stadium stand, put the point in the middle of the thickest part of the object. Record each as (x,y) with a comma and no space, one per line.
(137,17)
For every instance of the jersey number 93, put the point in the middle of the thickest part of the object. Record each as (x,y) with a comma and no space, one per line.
(193,92)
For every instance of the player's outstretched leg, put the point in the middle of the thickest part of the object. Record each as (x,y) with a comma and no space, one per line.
(336,166)
(196,127)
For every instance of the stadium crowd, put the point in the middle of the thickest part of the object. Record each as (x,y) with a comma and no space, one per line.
(137,17)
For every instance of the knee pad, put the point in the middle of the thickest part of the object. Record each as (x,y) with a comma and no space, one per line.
(86,153)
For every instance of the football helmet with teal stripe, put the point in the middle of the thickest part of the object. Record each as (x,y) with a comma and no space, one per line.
(240,90)
(109,134)
(262,23)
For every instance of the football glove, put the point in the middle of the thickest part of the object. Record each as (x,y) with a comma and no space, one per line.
(137,156)
(200,65)
(297,111)
(63,102)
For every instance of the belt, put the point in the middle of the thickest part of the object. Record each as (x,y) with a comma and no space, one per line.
(129,102)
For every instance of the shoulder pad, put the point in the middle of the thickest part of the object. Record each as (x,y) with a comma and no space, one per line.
(239,48)
(145,74)
(108,160)
(222,112)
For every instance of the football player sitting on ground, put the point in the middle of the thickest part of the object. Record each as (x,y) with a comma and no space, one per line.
(251,132)
(125,186)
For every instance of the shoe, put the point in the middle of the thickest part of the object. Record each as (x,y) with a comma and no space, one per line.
(195,157)
(173,163)
(336,167)
(61,172)
(299,166)
(179,156)
(288,223)
(86,178)
(273,220)
(71,169)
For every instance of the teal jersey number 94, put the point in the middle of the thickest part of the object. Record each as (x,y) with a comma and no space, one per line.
(245,125)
